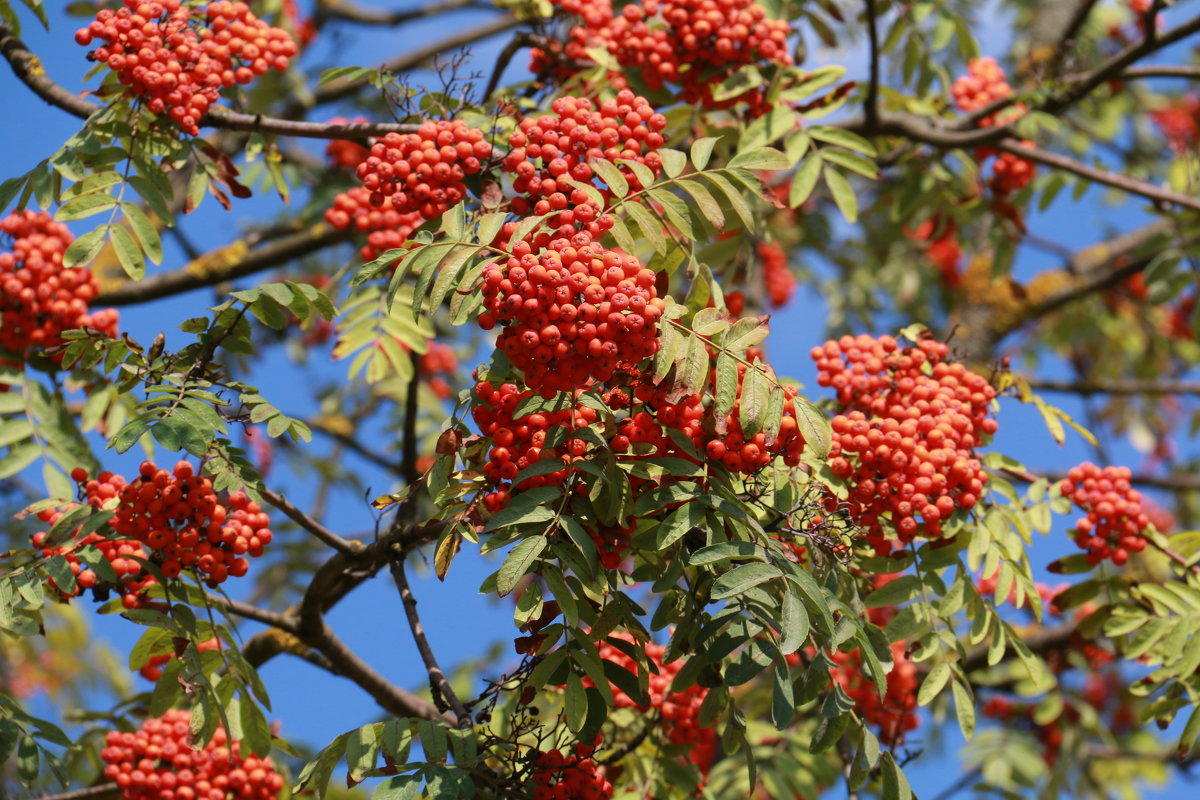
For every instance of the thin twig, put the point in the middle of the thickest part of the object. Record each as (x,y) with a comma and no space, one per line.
(309,524)
(411,408)
(272,618)
(352,12)
(437,677)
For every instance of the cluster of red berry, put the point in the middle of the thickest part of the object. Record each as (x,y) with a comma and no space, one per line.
(896,714)
(692,44)
(569,776)
(548,151)
(1179,121)
(904,441)
(780,281)
(40,297)
(438,363)
(158,762)
(983,85)
(944,250)
(518,443)
(574,312)
(386,228)
(152,670)
(179,57)
(345,153)
(1115,519)
(121,554)
(423,172)
(180,519)
(680,711)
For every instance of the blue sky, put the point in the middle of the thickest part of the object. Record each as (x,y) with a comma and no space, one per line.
(313,706)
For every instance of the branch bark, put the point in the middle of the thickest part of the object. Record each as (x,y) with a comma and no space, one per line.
(437,677)
(346,11)
(235,260)
(1115,386)
(311,525)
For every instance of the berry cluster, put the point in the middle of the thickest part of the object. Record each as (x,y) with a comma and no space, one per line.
(680,711)
(572,312)
(943,251)
(748,455)
(158,762)
(438,363)
(518,443)
(573,776)
(180,519)
(121,554)
(780,281)
(345,153)
(1179,121)
(386,228)
(983,85)
(904,441)
(152,670)
(896,714)
(1115,519)
(423,172)
(692,44)
(547,151)
(40,297)
(179,57)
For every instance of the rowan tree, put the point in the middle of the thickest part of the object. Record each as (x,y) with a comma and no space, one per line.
(507,295)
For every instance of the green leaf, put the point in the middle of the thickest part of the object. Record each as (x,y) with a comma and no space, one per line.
(934,682)
(805,180)
(128,253)
(843,194)
(678,523)
(695,366)
(702,150)
(898,590)
(851,161)
(794,623)
(761,158)
(707,204)
(576,703)
(86,206)
(85,249)
(964,709)
(398,787)
(753,409)
(146,233)
(741,578)
(727,385)
(518,562)
(674,162)
(842,138)
(814,427)
(895,785)
(611,175)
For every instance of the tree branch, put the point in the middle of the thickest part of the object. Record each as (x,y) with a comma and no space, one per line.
(411,408)
(311,525)
(272,618)
(353,444)
(871,103)
(1114,386)
(345,11)
(1116,180)
(437,678)
(235,260)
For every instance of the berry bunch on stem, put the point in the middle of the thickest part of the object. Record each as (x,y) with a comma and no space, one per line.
(1115,519)
(41,298)
(178,57)
(691,44)
(158,762)
(905,437)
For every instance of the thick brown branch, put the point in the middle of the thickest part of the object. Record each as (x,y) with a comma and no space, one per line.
(1117,386)
(28,68)
(437,677)
(871,102)
(235,260)
(1175,483)
(311,525)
